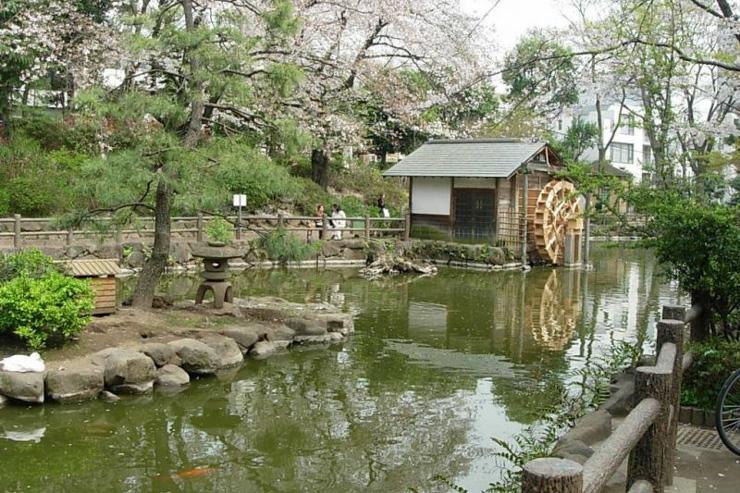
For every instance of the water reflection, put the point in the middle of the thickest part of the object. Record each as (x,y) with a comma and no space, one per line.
(438,366)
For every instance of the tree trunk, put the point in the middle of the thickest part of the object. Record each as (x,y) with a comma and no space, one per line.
(320,167)
(701,327)
(154,267)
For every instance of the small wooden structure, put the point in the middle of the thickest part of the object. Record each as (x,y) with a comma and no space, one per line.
(102,275)
(502,191)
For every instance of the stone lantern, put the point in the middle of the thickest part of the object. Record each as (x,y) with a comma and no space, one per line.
(215,273)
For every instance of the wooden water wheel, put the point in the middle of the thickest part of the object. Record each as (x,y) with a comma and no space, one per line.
(558,210)
(554,314)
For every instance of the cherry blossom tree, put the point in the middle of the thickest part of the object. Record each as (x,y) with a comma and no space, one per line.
(354,52)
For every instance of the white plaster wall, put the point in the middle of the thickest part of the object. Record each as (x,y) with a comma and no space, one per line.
(475,183)
(430,196)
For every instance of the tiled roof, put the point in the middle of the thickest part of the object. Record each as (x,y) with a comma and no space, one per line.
(495,158)
(92,267)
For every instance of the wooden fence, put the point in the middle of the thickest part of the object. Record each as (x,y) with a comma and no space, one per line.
(647,435)
(31,230)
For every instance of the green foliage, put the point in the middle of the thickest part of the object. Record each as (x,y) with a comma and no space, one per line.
(539,439)
(361,180)
(220,230)
(700,245)
(714,360)
(540,68)
(579,137)
(30,263)
(283,247)
(48,309)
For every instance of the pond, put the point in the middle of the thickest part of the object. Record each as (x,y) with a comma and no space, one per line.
(438,366)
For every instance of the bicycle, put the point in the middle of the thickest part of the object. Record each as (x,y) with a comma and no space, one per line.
(727,413)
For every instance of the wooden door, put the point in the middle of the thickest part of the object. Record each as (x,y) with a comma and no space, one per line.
(474,214)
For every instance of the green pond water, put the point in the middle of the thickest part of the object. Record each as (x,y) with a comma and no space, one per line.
(437,367)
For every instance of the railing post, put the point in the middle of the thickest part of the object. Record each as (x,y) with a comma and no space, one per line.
(281,220)
(647,459)
(674,312)
(17,231)
(367,227)
(407,227)
(199,227)
(552,475)
(324,226)
(70,236)
(119,246)
(672,331)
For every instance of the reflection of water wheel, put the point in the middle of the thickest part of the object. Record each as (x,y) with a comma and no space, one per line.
(558,210)
(557,315)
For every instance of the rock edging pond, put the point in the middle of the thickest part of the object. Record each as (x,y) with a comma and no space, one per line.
(249,328)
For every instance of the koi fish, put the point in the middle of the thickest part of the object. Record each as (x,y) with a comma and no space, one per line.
(196,472)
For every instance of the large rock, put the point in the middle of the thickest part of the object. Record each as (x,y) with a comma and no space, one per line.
(263,349)
(591,428)
(78,381)
(126,370)
(306,327)
(331,249)
(227,350)
(574,450)
(162,354)
(246,336)
(320,339)
(336,322)
(27,387)
(197,357)
(497,256)
(280,332)
(172,376)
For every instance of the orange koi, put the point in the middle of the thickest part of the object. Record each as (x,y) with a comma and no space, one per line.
(196,472)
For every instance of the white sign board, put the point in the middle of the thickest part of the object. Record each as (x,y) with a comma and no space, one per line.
(240,200)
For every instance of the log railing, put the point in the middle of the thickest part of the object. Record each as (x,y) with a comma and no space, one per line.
(647,435)
(20,231)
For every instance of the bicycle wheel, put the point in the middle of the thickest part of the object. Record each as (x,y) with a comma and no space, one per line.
(727,413)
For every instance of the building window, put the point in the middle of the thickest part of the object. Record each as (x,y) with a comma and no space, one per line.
(647,155)
(622,153)
(627,125)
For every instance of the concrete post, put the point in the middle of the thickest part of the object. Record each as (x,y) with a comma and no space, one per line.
(552,476)
(119,246)
(672,331)
(199,227)
(70,236)
(587,232)
(407,227)
(367,227)
(525,196)
(647,459)
(17,231)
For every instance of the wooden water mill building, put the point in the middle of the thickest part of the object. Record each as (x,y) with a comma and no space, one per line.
(477,190)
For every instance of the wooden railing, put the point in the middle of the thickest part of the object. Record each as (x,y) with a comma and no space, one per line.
(647,435)
(19,230)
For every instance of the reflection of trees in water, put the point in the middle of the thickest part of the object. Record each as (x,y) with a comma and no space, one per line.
(303,422)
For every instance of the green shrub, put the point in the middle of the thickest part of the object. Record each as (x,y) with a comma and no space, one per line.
(700,244)
(283,247)
(714,360)
(47,309)
(220,230)
(30,263)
